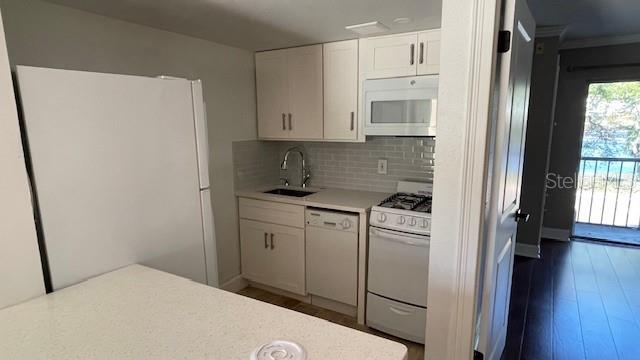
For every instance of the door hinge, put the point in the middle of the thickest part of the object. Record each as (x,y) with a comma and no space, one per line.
(504,41)
(477,355)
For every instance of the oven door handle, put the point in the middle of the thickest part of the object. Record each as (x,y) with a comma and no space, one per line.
(404,238)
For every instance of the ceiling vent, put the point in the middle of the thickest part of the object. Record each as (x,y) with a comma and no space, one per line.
(370,28)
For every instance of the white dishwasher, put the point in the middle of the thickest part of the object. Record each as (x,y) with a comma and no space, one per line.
(332,255)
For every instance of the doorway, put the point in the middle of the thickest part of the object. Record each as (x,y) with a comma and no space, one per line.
(607,202)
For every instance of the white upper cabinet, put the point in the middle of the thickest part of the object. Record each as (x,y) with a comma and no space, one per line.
(304,65)
(399,55)
(429,52)
(289,93)
(390,56)
(341,90)
(313,92)
(273,93)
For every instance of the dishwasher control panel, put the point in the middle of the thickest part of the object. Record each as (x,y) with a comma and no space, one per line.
(332,220)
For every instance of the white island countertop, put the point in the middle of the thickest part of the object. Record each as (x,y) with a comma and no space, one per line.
(358,201)
(140,313)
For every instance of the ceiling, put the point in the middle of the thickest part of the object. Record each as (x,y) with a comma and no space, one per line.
(266,24)
(589,18)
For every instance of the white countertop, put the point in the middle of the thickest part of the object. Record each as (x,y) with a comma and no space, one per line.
(140,313)
(337,199)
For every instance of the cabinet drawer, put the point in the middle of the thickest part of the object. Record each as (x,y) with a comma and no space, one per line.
(396,318)
(272,212)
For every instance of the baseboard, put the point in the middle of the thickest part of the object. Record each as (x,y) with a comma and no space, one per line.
(528,250)
(333,305)
(236,284)
(556,234)
(271,289)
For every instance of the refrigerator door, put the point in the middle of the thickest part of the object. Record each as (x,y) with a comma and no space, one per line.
(200,119)
(115,172)
(209,233)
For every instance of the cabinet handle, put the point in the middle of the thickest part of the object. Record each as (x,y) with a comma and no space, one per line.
(412,54)
(272,242)
(421,53)
(352,121)
(266,245)
(284,127)
(290,127)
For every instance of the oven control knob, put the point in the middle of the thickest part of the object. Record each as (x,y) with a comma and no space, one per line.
(425,223)
(346,224)
(401,220)
(382,217)
(412,221)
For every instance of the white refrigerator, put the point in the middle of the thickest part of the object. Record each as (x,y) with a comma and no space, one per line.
(119,166)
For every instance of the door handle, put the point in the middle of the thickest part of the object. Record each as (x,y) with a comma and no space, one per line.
(284,127)
(520,216)
(290,127)
(421,53)
(272,242)
(353,125)
(412,54)
(401,312)
(266,245)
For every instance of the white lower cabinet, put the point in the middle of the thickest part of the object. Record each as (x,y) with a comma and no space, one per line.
(273,255)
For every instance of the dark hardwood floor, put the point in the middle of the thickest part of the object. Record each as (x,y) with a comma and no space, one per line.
(581,300)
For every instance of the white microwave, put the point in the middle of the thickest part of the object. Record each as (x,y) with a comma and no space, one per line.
(404,106)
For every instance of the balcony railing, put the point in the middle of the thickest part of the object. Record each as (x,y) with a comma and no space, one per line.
(608,192)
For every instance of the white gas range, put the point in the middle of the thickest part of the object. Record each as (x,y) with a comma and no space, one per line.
(399,237)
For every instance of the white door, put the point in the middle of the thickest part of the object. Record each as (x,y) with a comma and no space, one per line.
(287,258)
(340,90)
(304,70)
(514,73)
(429,52)
(115,170)
(398,265)
(272,89)
(390,56)
(254,247)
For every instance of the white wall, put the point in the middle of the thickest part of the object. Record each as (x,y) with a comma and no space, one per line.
(47,35)
(20,269)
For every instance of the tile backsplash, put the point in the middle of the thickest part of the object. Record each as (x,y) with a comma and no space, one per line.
(337,165)
(255,163)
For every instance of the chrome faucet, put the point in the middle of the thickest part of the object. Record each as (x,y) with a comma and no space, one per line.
(305,174)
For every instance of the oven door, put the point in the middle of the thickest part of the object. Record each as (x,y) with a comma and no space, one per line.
(398,265)
(401,106)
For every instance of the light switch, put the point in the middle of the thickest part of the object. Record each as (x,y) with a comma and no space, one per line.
(382,166)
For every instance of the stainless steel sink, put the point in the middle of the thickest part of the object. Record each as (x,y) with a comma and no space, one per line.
(289,192)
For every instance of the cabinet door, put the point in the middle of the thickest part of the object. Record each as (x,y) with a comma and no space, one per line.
(429,52)
(255,251)
(340,60)
(272,91)
(304,69)
(390,56)
(287,259)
